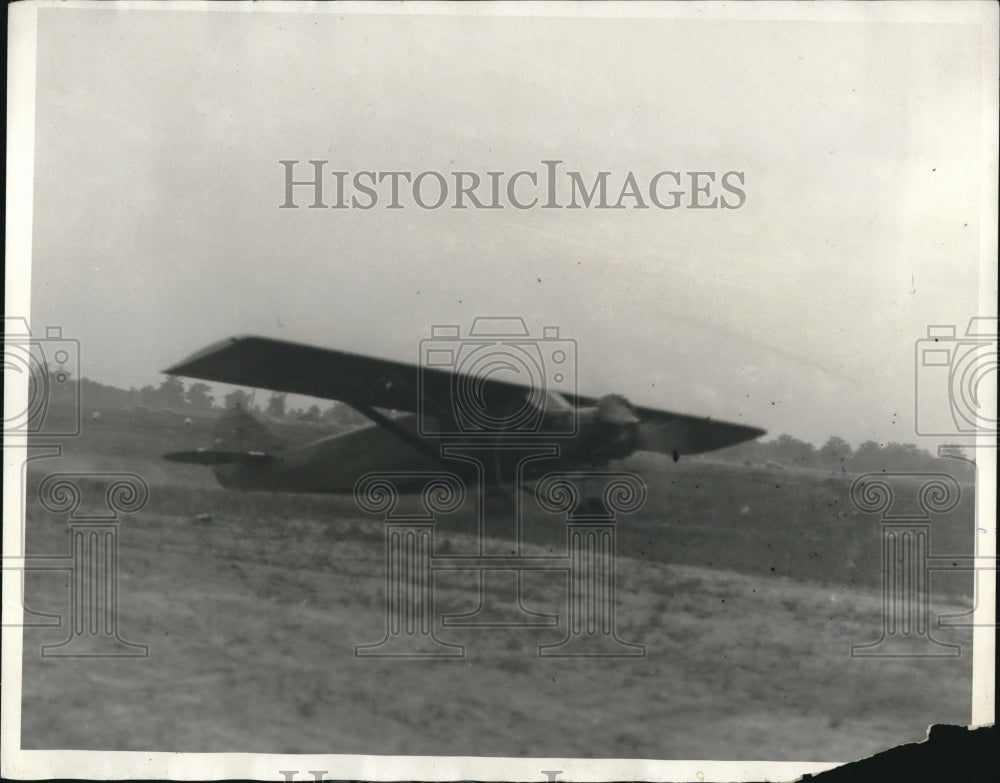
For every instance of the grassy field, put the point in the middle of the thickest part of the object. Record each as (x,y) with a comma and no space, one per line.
(747,587)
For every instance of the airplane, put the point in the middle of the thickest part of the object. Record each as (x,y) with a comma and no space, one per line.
(422,416)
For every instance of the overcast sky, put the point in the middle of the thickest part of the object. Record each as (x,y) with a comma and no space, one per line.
(157,186)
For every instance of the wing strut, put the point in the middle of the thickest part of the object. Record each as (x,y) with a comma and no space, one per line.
(400,432)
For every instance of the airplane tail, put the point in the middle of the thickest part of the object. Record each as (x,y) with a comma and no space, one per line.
(237,438)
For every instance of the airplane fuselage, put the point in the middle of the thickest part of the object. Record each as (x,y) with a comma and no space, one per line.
(334,464)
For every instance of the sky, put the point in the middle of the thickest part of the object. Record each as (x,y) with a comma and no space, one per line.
(157,228)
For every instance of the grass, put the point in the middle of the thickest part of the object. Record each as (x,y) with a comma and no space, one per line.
(252,618)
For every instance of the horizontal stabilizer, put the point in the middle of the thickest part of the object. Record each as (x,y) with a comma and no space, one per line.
(211,457)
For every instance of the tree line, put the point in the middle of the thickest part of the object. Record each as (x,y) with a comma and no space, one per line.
(197,397)
(836,455)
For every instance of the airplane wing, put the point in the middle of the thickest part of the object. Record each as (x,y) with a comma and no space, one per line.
(282,366)
(679,434)
(365,383)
